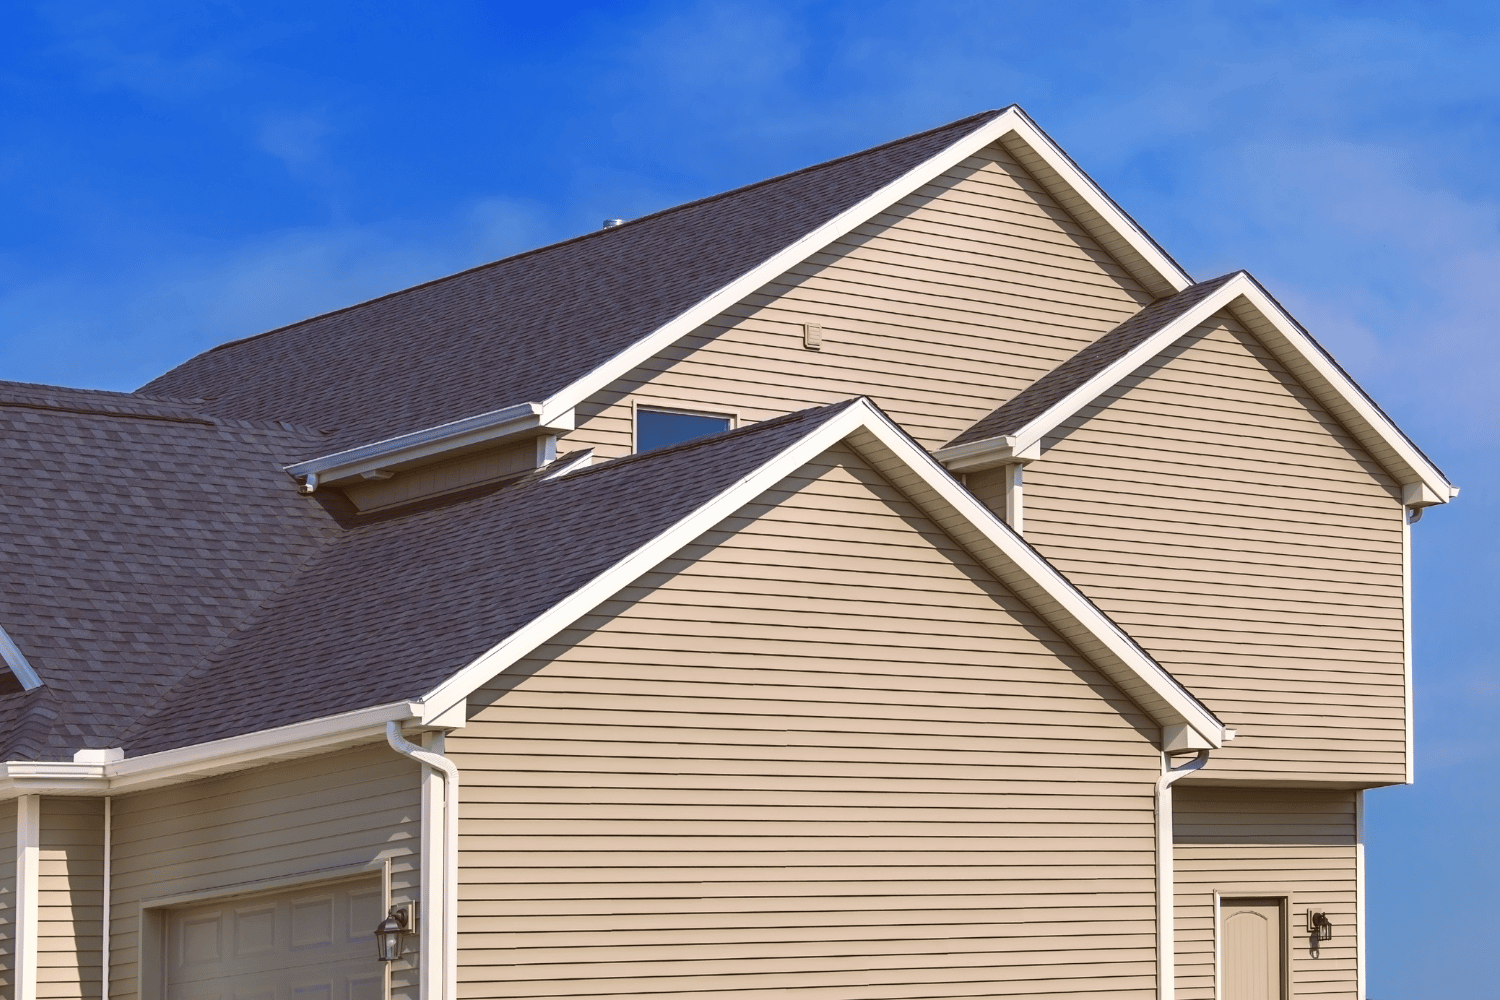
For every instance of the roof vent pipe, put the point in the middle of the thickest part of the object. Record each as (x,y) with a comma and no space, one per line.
(612,223)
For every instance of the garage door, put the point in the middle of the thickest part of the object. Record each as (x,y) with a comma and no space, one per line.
(312,943)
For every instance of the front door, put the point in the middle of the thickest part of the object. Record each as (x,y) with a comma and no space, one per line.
(1254,948)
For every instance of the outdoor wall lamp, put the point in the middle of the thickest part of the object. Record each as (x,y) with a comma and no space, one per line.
(390,933)
(1318,927)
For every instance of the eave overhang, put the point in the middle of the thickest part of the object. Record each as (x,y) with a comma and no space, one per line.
(405,451)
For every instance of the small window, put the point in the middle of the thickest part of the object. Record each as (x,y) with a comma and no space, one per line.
(663,428)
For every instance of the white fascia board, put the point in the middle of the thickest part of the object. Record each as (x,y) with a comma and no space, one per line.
(941,497)
(1338,394)
(1018,133)
(981,454)
(406,450)
(16,660)
(202,760)
(1034,580)
(1117,233)
(1422,482)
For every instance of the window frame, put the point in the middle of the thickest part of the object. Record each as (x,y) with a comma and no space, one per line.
(637,405)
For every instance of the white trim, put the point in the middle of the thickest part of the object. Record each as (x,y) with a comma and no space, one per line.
(406,450)
(28,888)
(1360,965)
(203,759)
(16,660)
(911,470)
(637,405)
(1281,335)
(1166,872)
(1022,139)
(1408,659)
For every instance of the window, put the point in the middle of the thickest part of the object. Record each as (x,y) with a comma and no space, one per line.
(662,428)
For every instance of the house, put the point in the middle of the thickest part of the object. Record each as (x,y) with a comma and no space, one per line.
(895,579)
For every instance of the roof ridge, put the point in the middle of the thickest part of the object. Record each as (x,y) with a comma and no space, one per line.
(601,233)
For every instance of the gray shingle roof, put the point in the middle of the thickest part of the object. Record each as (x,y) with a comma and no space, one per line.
(140,534)
(1037,398)
(400,601)
(522,328)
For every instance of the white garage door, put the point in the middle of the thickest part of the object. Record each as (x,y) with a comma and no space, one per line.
(312,943)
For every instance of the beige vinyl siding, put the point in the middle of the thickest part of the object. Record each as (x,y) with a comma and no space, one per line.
(7,898)
(938,309)
(226,834)
(820,753)
(70,897)
(1267,842)
(1212,508)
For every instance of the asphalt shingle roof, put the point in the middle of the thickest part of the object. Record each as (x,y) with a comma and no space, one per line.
(522,328)
(400,601)
(140,534)
(1047,391)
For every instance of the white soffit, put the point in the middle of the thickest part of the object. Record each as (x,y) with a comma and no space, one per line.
(1064,181)
(911,470)
(1242,296)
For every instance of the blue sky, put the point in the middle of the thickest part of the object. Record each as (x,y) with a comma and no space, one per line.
(175,174)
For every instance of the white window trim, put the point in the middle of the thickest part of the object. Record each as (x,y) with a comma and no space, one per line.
(637,405)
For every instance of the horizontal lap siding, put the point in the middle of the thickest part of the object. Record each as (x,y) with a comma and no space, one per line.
(349,808)
(939,309)
(70,901)
(1212,507)
(819,753)
(1268,842)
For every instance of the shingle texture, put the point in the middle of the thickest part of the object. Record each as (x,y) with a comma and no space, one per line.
(141,533)
(523,328)
(1047,391)
(399,602)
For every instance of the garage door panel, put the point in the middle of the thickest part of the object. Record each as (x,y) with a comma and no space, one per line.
(313,943)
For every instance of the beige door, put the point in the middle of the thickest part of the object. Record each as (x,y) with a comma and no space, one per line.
(312,943)
(1254,948)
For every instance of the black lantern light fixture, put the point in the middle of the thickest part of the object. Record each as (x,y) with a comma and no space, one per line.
(390,934)
(1318,926)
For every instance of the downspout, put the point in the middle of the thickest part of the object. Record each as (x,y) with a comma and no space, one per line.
(1166,920)
(439,971)
(104,945)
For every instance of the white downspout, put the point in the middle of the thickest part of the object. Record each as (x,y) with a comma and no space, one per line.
(28,875)
(439,969)
(1166,883)
(104,945)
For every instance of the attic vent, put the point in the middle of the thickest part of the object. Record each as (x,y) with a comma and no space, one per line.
(612,223)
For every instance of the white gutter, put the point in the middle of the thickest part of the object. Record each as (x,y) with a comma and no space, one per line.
(439,923)
(28,875)
(103,772)
(374,461)
(1166,883)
